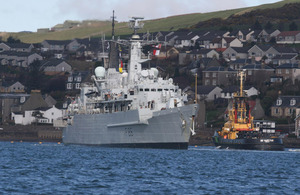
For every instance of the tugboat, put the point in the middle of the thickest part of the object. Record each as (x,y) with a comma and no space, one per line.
(239,132)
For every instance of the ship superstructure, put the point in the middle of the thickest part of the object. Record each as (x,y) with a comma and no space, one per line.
(240,132)
(131,107)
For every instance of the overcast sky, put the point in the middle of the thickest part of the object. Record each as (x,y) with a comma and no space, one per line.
(29,15)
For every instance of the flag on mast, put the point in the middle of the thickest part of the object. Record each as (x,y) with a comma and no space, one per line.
(156,50)
(121,67)
(121,64)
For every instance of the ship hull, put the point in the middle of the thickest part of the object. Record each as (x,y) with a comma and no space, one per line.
(272,144)
(165,129)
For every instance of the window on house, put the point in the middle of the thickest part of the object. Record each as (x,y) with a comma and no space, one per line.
(293,102)
(214,74)
(78,79)
(287,71)
(279,71)
(77,86)
(249,72)
(278,102)
(277,111)
(214,82)
(70,79)
(69,86)
(207,74)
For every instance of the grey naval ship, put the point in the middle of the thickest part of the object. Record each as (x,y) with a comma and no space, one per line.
(130,108)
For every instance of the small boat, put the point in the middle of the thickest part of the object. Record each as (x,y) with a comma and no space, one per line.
(240,132)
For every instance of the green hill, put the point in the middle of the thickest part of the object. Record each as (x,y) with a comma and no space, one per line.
(98,28)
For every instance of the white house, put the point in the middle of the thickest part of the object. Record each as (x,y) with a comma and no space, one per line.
(228,92)
(208,92)
(42,116)
(234,53)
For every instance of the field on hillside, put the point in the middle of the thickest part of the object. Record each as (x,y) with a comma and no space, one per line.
(99,28)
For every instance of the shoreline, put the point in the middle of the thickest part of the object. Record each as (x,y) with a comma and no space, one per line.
(48,133)
(30,133)
(204,139)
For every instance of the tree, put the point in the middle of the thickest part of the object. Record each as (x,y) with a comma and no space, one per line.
(281,26)
(257,26)
(35,76)
(293,26)
(10,39)
(176,73)
(269,25)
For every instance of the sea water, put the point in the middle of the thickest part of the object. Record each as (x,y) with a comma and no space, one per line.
(52,168)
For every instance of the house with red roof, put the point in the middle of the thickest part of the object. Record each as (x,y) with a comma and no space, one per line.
(288,37)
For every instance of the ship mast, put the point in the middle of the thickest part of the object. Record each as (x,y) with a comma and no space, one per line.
(113,26)
(113,48)
(242,75)
(135,66)
(196,88)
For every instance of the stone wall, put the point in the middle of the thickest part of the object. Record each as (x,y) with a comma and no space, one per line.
(34,133)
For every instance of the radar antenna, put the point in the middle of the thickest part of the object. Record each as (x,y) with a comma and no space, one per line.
(135,23)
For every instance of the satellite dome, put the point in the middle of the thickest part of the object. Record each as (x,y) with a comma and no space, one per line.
(100,72)
(155,71)
(144,73)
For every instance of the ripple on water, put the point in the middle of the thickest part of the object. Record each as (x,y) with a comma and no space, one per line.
(52,168)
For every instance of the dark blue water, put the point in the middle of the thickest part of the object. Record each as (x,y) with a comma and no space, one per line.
(32,168)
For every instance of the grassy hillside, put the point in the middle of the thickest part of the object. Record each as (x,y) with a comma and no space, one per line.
(97,28)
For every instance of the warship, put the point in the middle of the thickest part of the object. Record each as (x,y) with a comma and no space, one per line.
(240,131)
(130,107)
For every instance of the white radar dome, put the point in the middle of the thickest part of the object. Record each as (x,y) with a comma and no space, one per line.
(155,71)
(144,73)
(100,72)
